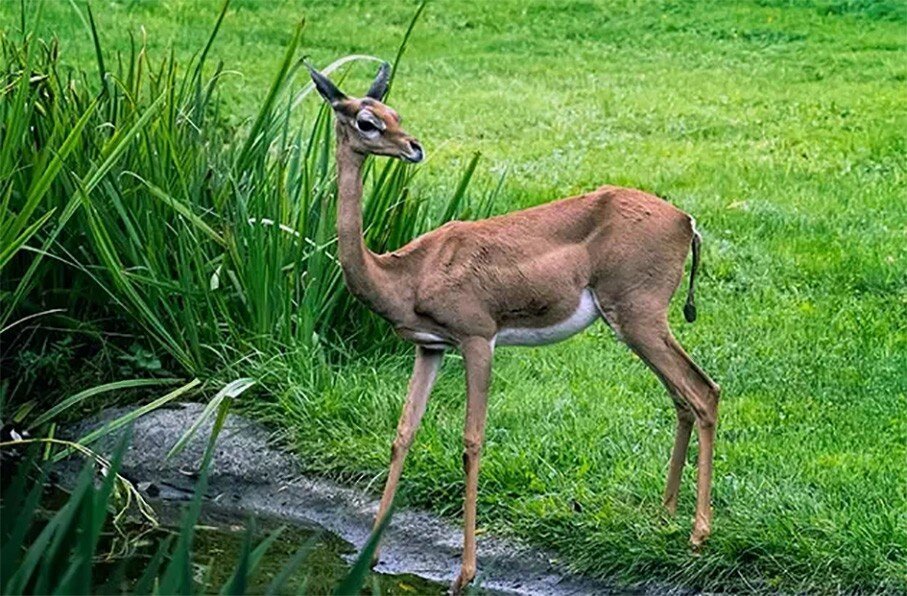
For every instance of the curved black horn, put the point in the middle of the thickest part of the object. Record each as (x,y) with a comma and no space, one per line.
(379,86)
(326,88)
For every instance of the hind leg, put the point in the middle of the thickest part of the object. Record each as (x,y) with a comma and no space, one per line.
(646,332)
(685,420)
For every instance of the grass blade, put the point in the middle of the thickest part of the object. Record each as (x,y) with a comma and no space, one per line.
(177,578)
(355,579)
(131,416)
(231,390)
(79,397)
(286,572)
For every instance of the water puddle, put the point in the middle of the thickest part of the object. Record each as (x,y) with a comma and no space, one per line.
(219,539)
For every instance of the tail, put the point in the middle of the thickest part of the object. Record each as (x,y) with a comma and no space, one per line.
(689,309)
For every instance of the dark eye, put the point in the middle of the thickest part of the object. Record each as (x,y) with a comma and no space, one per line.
(366,126)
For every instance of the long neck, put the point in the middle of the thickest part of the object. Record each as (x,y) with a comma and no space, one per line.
(364,276)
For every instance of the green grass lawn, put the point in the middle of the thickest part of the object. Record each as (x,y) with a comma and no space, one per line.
(780,126)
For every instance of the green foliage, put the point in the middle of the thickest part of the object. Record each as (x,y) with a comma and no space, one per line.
(215,242)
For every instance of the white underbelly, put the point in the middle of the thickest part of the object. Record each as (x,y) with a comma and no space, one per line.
(430,340)
(584,315)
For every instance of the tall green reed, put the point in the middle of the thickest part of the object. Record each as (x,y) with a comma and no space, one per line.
(129,196)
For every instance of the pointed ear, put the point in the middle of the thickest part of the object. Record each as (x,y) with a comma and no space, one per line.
(326,88)
(379,87)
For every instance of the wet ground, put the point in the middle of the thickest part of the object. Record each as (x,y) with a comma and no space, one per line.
(249,477)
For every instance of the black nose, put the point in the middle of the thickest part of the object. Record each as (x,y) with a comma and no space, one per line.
(416,154)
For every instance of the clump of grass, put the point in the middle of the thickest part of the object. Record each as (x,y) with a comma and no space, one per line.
(210,241)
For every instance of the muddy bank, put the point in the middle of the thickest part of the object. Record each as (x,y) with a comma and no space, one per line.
(249,476)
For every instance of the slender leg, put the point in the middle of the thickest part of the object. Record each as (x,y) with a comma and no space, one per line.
(649,336)
(702,527)
(678,458)
(477,354)
(424,373)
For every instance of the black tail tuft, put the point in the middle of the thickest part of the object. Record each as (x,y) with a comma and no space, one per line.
(689,309)
(689,312)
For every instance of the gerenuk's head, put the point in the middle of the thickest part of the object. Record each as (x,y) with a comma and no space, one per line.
(369,126)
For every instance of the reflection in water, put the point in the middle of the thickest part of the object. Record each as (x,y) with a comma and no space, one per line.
(218,545)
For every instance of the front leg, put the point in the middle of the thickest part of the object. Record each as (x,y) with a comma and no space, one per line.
(477,355)
(425,372)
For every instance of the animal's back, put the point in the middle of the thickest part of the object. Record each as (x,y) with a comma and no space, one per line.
(531,267)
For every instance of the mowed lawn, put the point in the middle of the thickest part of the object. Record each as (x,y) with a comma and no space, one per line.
(780,126)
